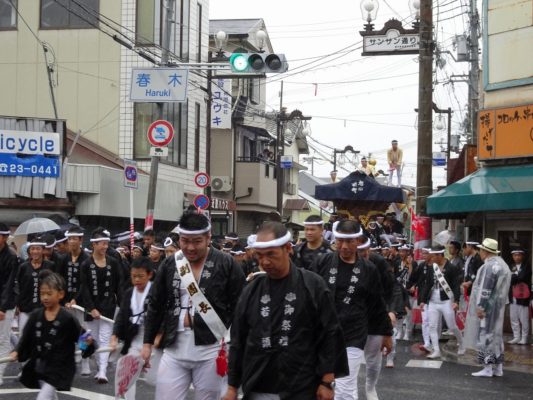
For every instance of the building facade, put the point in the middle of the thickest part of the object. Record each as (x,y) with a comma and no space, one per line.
(73,60)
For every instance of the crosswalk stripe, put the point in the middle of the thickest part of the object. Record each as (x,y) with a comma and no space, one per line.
(75,392)
(424,364)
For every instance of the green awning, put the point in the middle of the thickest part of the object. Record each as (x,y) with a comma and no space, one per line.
(488,189)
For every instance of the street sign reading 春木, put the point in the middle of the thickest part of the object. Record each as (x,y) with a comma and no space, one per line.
(159,85)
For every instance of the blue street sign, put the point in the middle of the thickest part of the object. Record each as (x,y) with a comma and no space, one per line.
(201,201)
(34,165)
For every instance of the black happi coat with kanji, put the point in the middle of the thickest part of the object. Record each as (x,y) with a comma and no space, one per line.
(358,297)
(49,348)
(28,298)
(71,272)
(9,267)
(101,287)
(285,336)
(221,282)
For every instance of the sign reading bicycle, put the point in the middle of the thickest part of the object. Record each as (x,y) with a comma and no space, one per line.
(159,85)
(24,142)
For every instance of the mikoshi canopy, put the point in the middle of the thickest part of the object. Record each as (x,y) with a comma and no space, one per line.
(488,189)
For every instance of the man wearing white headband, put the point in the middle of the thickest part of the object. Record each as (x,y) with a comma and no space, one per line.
(100,291)
(156,256)
(403,274)
(28,298)
(286,341)
(356,288)
(441,297)
(194,296)
(314,245)
(519,296)
(232,238)
(8,272)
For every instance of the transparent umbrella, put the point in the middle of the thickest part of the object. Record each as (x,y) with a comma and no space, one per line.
(444,237)
(36,225)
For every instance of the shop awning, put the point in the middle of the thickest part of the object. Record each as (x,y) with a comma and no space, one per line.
(488,189)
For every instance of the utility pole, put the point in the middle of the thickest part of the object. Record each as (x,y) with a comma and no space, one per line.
(154,165)
(424,183)
(473,75)
(280,147)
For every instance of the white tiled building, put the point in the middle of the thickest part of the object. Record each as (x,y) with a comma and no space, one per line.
(90,73)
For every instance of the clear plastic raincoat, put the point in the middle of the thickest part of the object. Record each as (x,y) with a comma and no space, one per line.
(490,293)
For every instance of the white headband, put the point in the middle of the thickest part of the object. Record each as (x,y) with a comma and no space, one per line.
(238,253)
(313,222)
(73,234)
(100,239)
(157,248)
(137,247)
(273,243)
(364,245)
(472,243)
(182,231)
(340,235)
(231,238)
(5,232)
(51,245)
(404,248)
(517,251)
(43,244)
(375,248)
(61,240)
(436,251)
(169,242)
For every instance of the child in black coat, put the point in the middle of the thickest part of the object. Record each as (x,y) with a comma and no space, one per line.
(48,341)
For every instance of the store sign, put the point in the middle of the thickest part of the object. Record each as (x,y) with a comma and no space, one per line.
(392,39)
(221,104)
(32,165)
(505,133)
(23,142)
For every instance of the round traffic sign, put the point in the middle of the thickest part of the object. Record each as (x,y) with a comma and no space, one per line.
(201,201)
(201,179)
(160,133)
(131,173)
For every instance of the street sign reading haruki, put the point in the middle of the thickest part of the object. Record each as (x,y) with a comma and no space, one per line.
(159,85)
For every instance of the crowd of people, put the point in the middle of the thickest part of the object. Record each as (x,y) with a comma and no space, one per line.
(268,316)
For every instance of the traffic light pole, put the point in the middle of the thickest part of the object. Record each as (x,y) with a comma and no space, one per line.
(154,164)
(280,146)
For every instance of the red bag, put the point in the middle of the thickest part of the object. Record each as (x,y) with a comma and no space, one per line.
(416,315)
(521,291)
(222,361)
(460,319)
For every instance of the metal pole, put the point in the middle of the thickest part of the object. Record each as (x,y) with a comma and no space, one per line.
(154,165)
(449,135)
(424,185)
(132,222)
(473,75)
(280,142)
(208,129)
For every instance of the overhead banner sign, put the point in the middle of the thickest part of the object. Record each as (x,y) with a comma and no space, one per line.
(159,85)
(505,133)
(24,142)
(221,104)
(32,165)
(392,39)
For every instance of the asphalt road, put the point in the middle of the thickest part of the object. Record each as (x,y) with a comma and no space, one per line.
(443,381)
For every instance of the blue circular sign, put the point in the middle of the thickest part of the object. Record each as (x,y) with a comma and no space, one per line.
(201,201)
(131,173)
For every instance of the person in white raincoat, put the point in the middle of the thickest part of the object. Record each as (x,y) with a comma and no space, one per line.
(484,324)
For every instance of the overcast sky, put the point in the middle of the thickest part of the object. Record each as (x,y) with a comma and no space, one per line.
(360,101)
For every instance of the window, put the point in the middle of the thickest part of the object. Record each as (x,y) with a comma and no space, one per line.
(254,90)
(148,22)
(183,16)
(197,137)
(176,114)
(8,14)
(199,32)
(69,14)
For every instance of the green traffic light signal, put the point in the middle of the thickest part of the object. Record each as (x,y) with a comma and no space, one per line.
(258,63)
(239,62)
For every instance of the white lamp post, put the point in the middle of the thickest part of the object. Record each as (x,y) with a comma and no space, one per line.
(369,11)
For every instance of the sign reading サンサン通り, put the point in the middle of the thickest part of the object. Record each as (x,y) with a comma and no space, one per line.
(24,153)
(159,85)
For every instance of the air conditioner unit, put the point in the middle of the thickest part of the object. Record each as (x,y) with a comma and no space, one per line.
(221,183)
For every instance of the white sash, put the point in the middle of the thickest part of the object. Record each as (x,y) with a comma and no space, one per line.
(200,302)
(442,281)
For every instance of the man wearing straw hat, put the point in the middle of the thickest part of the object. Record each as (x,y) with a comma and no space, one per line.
(484,324)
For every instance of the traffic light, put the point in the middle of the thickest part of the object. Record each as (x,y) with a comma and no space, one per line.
(258,63)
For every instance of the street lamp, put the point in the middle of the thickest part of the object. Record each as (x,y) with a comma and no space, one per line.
(414,6)
(261,39)
(369,11)
(221,38)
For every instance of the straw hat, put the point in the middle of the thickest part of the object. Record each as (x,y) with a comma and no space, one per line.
(489,245)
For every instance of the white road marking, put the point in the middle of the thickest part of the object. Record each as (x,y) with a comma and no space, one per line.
(424,364)
(79,393)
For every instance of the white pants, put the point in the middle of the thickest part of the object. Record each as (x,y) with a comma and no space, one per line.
(425,328)
(436,311)
(373,358)
(519,318)
(174,378)
(346,388)
(398,170)
(5,338)
(47,392)
(101,331)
